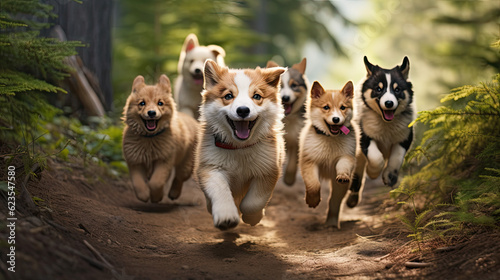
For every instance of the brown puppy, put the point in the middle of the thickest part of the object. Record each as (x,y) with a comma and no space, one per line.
(328,147)
(156,139)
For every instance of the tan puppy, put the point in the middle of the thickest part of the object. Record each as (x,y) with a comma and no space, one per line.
(240,149)
(293,92)
(328,147)
(156,139)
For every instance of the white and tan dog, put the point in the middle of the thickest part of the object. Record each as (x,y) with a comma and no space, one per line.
(328,147)
(189,83)
(241,147)
(294,89)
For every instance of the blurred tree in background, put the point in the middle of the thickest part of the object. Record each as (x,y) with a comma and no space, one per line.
(149,34)
(449,41)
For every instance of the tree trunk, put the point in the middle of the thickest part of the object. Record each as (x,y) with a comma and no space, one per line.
(90,23)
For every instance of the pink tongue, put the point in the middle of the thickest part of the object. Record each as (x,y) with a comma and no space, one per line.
(345,129)
(151,125)
(242,130)
(288,108)
(198,81)
(388,114)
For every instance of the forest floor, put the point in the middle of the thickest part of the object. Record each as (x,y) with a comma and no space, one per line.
(92,227)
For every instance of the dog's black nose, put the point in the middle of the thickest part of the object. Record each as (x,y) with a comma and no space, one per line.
(285,98)
(151,113)
(197,71)
(389,104)
(243,111)
(336,119)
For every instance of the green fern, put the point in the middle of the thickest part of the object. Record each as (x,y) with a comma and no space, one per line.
(459,156)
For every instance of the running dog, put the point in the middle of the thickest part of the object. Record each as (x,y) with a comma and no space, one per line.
(156,139)
(189,83)
(385,109)
(240,148)
(328,147)
(294,88)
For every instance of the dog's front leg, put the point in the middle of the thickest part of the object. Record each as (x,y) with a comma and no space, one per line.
(161,172)
(310,175)
(219,197)
(291,166)
(375,159)
(396,159)
(258,195)
(138,175)
(358,181)
(339,185)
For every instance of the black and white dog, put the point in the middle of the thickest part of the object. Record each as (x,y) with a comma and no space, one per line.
(385,108)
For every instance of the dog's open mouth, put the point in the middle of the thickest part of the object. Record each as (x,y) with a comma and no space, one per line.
(151,124)
(334,128)
(241,129)
(198,78)
(288,108)
(388,114)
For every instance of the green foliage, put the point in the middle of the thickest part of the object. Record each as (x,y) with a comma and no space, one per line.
(31,66)
(98,142)
(460,179)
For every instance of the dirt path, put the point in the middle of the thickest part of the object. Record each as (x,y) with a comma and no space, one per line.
(178,240)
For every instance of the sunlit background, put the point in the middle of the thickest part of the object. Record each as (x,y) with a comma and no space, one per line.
(447,42)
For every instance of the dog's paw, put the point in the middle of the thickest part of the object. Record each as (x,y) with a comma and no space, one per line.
(253,219)
(225,216)
(156,195)
(343,178)
(142,193)
(390,178)
(289,178)
(313,199)
(333,222)
(352,200)
(174,193)
(225,223)
(374,167)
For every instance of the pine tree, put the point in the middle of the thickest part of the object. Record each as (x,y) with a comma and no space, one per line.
(30,66)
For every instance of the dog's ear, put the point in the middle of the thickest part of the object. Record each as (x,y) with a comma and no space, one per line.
(138,84)
(301,67)
(211,74)
(164,82)
(348,89)
(272,75)
(317,90)
(405,67)
(219,54)
(369,67)
(271,64)
(190,43)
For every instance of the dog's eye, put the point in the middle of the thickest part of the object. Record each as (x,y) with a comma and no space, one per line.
(142,103)
(342,107)
(378,89)
(228,96)
(160,103)
(294,86)
(257,96)
(397,90)
(326,107)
